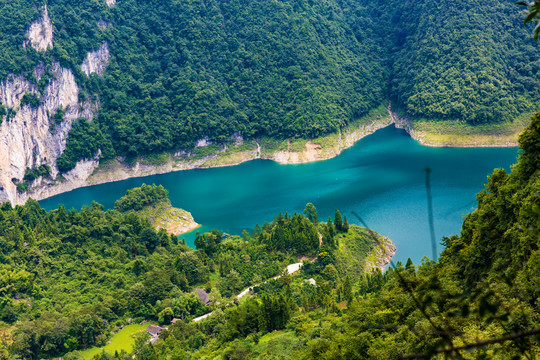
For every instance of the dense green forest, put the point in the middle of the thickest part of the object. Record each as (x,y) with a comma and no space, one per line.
(184,70)
(69,279)
(476,63)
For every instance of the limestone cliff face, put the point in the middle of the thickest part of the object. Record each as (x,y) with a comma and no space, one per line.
(111,3)
(29,135)
(102,24)
(96,61)
(26,140)
(40,34)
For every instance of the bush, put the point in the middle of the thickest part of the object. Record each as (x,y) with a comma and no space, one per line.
(30,99)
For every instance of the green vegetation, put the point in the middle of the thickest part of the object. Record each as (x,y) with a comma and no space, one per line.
(184,70)
(351,249)
(138,198)
(84,273)
(30,99)
(3,112)
(59,115)
(31,175)
(84,142)
(281,70)
(123,340)
(296,234)
(533,14)
(150,203)
(474,64)
(459,133)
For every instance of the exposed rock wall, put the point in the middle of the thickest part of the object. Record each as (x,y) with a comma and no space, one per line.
(102,24)
(315,152)
(111,3)
(96,61)
(40,33)
(29,135)
(26,140)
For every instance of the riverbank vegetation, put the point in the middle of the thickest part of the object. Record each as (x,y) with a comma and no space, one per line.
(459,133)
(151,203)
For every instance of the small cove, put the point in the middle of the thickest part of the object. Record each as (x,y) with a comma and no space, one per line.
(382,178)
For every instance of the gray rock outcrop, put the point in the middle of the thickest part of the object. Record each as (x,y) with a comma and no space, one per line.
(40,33)
(26,139)
(30,136)
(96,61)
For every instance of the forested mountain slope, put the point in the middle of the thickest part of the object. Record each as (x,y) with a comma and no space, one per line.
(469,60)
(159,76)
(181,71)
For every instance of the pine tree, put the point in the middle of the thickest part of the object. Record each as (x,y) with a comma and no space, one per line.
(338,221)
(347,290)
(311,213)
(331,229)
(409,266)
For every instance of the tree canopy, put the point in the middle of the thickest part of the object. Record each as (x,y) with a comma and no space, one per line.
(183,71)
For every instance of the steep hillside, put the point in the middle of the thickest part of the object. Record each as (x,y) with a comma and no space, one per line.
(167,76)
(466,60)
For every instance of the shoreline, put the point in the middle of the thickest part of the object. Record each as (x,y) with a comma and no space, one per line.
(91,172)
(456,135)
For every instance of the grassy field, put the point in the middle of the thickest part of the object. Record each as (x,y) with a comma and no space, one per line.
(123,340)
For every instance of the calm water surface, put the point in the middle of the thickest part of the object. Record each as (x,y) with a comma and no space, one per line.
(382,178)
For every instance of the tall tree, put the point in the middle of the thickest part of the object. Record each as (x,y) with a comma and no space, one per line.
(311,213)
(338,221)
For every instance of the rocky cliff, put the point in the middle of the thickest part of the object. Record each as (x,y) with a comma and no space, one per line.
(30,134)
(96,61)
(27,138)
(40,33)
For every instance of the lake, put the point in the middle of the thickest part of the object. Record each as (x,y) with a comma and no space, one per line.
(381,178)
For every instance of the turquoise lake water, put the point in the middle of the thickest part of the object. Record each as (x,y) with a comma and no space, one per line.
(382,178)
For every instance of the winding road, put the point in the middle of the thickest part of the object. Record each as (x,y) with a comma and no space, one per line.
(290,269)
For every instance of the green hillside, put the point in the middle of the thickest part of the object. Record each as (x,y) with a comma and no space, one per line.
(181,71)
(467,60)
